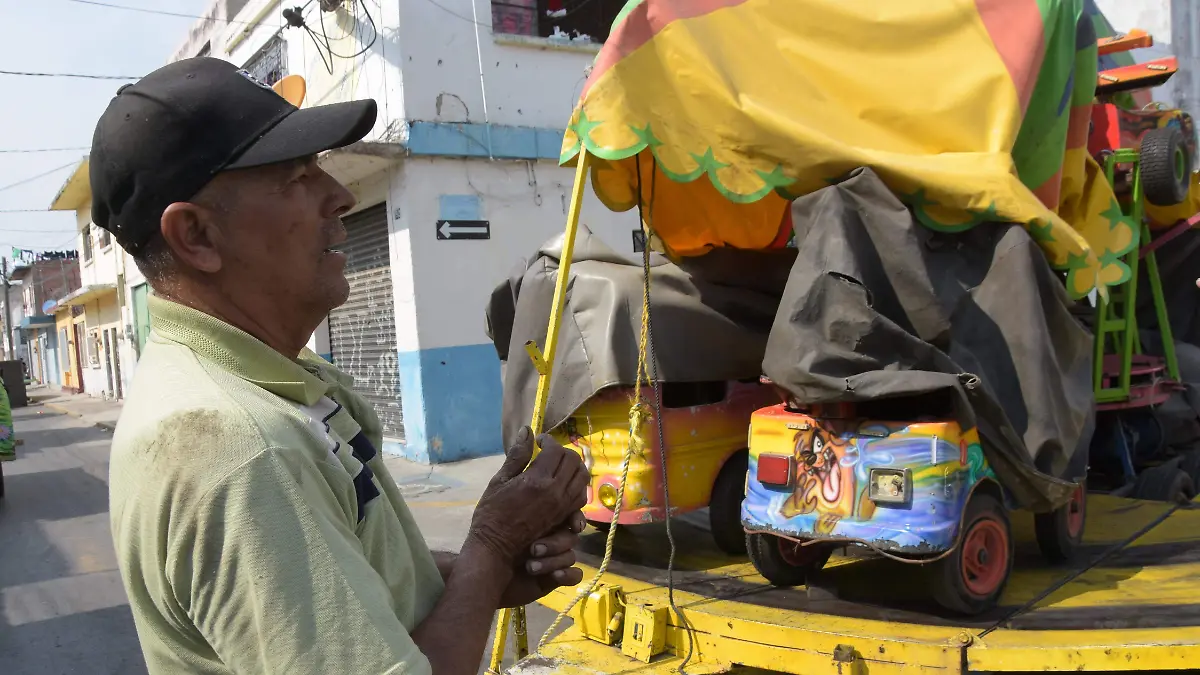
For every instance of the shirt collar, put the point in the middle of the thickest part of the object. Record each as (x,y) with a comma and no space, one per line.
(238,352)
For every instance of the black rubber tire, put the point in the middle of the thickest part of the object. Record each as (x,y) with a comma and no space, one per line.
(1166,174)
(1165,484)
(769,561)
(949,589)
(1054,537)
(725,505)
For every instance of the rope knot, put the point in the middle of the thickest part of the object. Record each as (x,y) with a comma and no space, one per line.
(639,412)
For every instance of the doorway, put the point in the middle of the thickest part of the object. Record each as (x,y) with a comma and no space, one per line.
(77,347)
(108,362)
(113,344)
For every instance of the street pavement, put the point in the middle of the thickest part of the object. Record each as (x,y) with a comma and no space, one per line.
(63,609)
(62,606)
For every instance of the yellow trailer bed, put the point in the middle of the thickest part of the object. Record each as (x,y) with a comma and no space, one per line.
(1128,604)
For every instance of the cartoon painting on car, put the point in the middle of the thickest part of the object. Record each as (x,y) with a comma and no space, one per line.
(824,478)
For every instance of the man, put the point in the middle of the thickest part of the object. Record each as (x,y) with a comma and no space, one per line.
(256,527)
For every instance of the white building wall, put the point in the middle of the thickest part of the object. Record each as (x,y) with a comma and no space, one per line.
(451,361)
(104,267)
(528,82)
(526,204)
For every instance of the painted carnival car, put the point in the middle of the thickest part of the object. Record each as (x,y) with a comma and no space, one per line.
(920,490)
(704,428)
(1165,137)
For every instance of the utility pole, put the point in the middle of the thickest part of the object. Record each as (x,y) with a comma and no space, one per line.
(7,313)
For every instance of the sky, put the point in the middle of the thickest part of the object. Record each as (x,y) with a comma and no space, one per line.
(63,36)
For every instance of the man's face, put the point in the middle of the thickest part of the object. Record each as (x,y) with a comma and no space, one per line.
(281,226)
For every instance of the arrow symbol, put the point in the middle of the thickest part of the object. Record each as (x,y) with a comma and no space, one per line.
(463,229)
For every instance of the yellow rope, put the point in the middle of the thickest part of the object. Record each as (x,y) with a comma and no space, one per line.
(638,412)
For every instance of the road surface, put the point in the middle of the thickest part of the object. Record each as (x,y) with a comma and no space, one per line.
(63,609)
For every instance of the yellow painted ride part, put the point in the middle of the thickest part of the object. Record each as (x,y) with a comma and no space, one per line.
(544,362)
(1134,613)
(637,415)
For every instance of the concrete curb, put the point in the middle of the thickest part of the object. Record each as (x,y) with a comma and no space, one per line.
(67,411)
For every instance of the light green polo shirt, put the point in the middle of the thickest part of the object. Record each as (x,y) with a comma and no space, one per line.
(256,527)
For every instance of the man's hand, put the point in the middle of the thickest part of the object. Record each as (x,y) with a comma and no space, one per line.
(549,566)
(521,506)
(523,522)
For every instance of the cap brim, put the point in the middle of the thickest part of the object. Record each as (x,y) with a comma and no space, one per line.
(309,131)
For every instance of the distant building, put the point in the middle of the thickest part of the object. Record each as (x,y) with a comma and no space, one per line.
(94,317)
(43,281)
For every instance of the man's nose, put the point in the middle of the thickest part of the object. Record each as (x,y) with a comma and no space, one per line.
(340,199)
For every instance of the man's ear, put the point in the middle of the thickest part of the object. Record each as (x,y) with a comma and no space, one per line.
(192,235)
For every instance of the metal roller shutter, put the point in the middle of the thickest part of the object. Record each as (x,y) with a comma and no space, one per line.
(362,332)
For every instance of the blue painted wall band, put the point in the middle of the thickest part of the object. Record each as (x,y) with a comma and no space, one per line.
(444,139)
(451,398)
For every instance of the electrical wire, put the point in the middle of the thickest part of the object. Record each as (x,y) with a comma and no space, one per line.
(1108,553)
(29,150)
(57,247)
(374,31)
(145,10)
(435,3)
(40,175)
(21,73)
(24,231)
(294,16)
(456,14)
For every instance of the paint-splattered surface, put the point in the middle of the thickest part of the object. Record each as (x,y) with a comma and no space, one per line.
(832,463)
(699,440)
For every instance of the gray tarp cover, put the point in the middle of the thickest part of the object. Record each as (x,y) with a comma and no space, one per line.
(875,306)
(711,316)
(879,306)
(1179,266)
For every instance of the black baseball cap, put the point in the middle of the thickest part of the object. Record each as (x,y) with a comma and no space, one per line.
(164,137)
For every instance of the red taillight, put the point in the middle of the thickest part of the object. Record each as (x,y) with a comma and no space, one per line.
(775,470)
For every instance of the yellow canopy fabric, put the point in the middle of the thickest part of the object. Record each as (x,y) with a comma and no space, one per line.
(972,111)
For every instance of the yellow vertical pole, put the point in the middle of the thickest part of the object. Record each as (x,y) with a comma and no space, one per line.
(544,360)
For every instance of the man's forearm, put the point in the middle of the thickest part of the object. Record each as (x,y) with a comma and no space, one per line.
(445,563)
(454,635)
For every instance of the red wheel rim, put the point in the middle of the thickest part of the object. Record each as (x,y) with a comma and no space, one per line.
(1075,511)
(797,554)
(985,556)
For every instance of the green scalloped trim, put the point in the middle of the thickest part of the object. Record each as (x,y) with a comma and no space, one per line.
(918,202)
(775,181)
(706,164)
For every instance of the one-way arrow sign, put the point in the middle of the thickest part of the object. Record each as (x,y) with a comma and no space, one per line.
(452,230)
